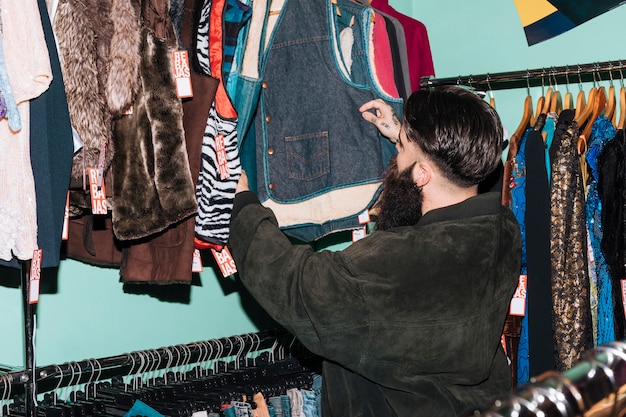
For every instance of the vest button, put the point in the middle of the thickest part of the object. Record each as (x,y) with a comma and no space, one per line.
(268,119)
(271,185)
(270,151)
(265,84)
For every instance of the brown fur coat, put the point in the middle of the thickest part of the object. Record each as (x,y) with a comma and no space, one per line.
(152,184)
(98,44)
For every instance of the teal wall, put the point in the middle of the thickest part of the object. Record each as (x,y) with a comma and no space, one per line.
(85,312)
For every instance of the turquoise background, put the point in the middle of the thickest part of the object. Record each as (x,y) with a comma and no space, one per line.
(87,314)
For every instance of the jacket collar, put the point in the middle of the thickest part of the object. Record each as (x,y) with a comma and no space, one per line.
(480,205)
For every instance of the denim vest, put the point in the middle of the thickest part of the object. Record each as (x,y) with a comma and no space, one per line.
(314,152)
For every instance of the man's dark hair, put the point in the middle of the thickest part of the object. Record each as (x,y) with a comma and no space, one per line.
(457,130)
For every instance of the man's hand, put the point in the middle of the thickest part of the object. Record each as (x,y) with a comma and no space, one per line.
(242,185)
(383,118)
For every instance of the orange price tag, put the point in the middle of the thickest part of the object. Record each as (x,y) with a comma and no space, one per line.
(518,302)
(98,194)
(196,265)
(225,261)
(220,151)
(35,275)
(182,73)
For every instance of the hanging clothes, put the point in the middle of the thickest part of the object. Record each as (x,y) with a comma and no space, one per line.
(51,151)
(602,132)
(306,155)
(30,75)
(537,220)
(221,168)
(611,183)
(517,191)
(417,43)
(167,257)
(152,185)
(570,280)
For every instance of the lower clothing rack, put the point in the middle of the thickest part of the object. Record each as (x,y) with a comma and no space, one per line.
(221,355)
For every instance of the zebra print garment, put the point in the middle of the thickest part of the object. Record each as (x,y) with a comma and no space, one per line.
(221,168)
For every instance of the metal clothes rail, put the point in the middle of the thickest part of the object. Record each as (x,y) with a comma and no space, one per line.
(596,384)
(570,74)
(47,378)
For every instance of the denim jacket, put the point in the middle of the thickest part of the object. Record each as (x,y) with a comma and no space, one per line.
(410,318)
(310,137)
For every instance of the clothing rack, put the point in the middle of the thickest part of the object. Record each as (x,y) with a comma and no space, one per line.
(596,383)
(570,74)
(27,377)
(237,348)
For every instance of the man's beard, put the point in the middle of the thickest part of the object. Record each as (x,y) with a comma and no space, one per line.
(400,202)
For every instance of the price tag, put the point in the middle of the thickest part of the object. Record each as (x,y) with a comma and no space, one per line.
(518,302)
(66,219)
(196,265)
(364,217)
(98,194)
(358,234)
(225,261)
(182,73)
(220,152)
(35,275)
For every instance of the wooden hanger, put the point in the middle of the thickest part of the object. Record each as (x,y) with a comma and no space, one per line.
(581,103)
(584,110)
(622,108)
(568,100)
(611,103)
(596,106)
(547,101)
(525,123)
(492,100)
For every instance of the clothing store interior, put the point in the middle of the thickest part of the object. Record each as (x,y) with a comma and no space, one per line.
(119,295)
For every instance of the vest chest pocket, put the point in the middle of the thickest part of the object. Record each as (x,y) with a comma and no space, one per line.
(308,155)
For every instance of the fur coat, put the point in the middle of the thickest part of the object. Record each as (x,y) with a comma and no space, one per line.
(152,184)
(98,44)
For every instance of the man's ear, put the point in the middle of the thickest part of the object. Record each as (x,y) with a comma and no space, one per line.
(422,173)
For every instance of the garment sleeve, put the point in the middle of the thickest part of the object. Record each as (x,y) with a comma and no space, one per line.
(312,294)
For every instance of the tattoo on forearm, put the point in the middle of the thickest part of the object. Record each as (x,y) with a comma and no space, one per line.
(385,125)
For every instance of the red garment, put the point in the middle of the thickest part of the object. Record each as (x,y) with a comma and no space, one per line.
(383,63)
(417,44)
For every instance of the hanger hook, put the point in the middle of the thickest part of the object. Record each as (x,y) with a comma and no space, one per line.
(6,394)
(489,85)
(580,80)
(95,385)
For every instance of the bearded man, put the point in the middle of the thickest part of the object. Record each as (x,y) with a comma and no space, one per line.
(408,319)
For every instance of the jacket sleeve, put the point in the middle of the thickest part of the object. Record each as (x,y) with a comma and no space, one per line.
(312,294)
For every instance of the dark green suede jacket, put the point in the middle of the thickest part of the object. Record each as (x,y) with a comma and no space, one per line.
(409,320)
